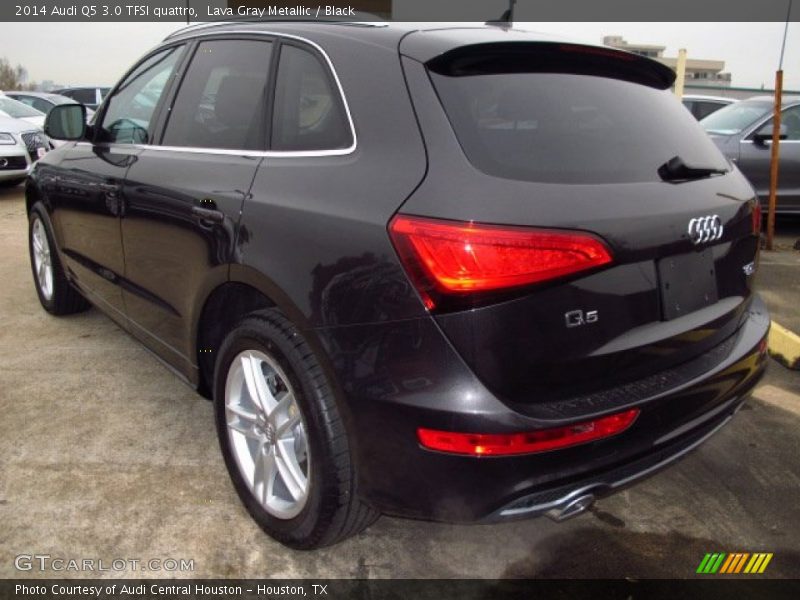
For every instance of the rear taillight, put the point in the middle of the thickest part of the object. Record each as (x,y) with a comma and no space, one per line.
(505,444)
(460,258)
(757,218)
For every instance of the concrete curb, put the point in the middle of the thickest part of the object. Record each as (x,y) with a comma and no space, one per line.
(784,346)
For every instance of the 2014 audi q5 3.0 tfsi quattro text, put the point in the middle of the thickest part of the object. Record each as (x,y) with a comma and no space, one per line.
(448,273)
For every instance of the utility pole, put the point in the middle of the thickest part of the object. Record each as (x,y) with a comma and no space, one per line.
(776,139)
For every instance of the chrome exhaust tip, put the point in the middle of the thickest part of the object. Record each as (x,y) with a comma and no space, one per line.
(571,509)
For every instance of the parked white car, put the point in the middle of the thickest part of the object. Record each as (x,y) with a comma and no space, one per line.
(21,144)
(17,110)
(44,101)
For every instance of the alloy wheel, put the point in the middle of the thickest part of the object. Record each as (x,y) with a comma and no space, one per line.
(267,433)
(41,259)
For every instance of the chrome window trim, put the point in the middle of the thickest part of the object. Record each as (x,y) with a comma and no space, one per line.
(195,27)
(768,142)
(271,153)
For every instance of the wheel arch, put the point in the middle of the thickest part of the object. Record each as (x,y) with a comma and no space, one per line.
(246,291)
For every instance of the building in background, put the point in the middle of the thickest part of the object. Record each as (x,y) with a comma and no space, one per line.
(699,72)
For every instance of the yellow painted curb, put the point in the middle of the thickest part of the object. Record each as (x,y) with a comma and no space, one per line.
(784,346)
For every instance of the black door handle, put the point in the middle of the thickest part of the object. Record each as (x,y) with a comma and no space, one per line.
(208,214)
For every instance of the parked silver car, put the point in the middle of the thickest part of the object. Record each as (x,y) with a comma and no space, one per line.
(21,144)
(743,131)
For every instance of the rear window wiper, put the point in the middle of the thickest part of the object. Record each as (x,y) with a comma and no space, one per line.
(677,170)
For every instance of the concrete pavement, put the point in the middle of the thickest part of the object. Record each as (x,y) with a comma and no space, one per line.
(779,283)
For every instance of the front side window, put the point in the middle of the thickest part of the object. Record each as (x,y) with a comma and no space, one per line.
(308,113)
(222,99)
(127,119)
(26,100)
(736,117)
(790,121)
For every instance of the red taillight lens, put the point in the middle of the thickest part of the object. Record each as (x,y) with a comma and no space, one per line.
(757,218)
(505,444)
(457,257)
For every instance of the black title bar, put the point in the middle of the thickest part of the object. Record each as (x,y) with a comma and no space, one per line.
(400,10)
(379,589)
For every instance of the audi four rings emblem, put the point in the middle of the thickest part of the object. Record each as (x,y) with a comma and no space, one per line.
(705,229)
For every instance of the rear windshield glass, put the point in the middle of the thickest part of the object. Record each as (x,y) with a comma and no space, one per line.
(735,117)
(566,128)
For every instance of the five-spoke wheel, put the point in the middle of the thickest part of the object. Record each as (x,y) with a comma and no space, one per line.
(282,434)
(267,433)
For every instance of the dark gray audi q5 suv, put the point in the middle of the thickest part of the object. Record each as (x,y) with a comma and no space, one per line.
(464,273)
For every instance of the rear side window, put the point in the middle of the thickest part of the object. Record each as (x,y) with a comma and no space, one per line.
(703,109)
(222,99)
(308,113)
(570,128)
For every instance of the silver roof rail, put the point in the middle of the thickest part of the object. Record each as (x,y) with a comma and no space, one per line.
(368,20)
(195,26)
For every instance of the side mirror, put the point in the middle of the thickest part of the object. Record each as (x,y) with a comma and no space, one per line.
(66,122)
(764,135)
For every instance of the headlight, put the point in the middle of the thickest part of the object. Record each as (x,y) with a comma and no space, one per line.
(6,139)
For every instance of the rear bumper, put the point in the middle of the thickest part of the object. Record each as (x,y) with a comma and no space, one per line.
(554,502)
(404,375)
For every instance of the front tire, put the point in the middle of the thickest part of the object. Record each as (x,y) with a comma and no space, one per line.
(55,293)
(282,437)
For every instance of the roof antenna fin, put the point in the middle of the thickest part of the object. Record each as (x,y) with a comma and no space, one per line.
(507,18)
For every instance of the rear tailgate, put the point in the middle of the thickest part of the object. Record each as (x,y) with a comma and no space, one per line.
(549,136)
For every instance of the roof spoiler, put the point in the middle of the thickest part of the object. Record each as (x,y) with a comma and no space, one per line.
(551,57)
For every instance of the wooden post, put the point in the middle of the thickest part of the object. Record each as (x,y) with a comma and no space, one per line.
(773,167)
(680,73)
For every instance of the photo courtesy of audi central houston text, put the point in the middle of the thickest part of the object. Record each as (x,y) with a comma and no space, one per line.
(458,273)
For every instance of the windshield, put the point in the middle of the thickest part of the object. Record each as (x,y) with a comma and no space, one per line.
(734,118)
(566,128)
(17,110)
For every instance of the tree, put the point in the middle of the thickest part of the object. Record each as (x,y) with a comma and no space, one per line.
(13,78)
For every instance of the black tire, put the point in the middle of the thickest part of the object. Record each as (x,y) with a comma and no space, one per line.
(9,183)
(333,510)
(63,299)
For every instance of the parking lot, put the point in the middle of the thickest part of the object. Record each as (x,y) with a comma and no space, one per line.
(104,454)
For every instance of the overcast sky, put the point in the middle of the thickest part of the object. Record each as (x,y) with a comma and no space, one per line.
(98,53)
